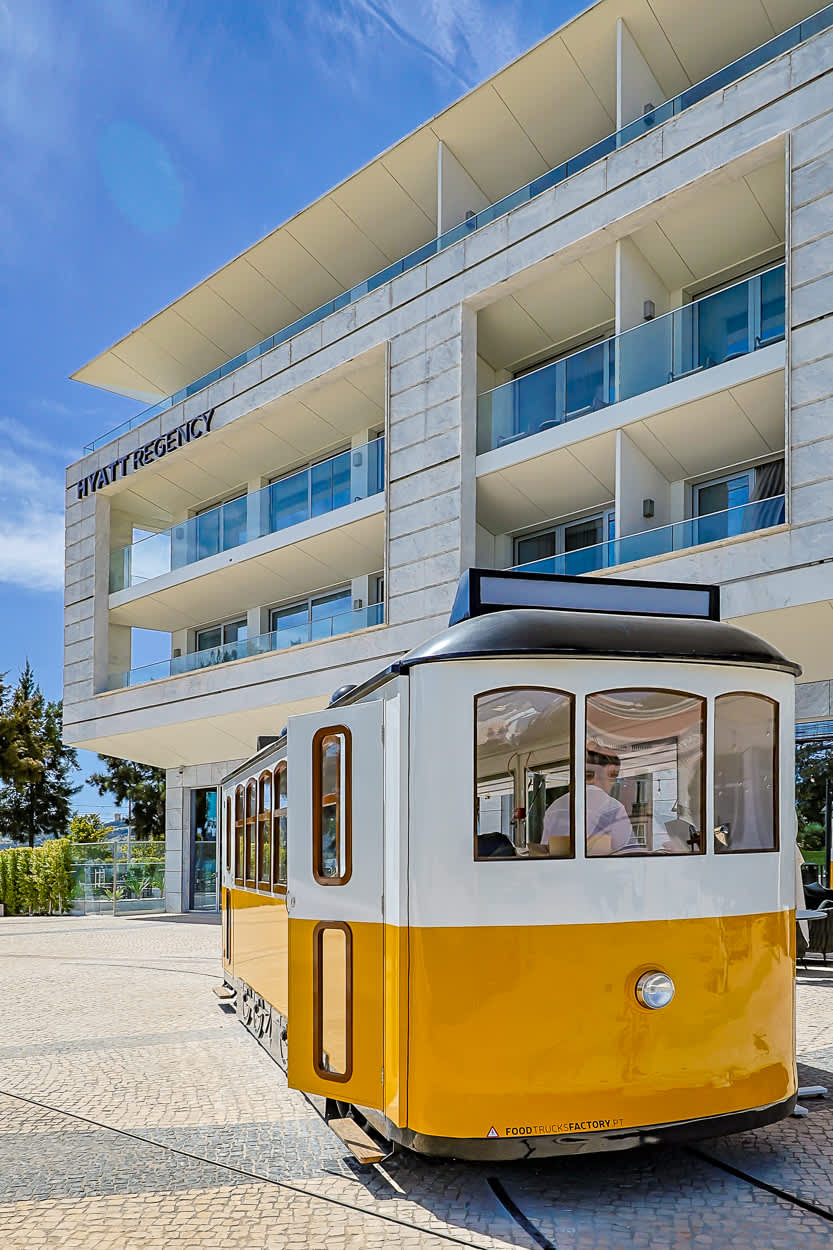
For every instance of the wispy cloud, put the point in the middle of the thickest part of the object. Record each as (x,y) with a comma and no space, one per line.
(31,524)
(464,40)
(23,437)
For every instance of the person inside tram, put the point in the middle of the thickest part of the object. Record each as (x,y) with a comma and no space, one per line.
(609,830)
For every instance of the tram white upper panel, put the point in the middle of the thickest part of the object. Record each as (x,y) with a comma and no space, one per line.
(447,886)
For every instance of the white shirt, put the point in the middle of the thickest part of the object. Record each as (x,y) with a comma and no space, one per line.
(605,815)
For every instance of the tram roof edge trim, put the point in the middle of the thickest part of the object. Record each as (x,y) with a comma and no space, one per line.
(521,633)
(481,591)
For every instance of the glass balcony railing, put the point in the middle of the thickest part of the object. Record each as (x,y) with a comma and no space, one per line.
(782,43)
(355,474)
(666,539)
(262,644)
(730,323)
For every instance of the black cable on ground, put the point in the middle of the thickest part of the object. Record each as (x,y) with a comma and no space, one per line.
(805,1205)
(518,1216)
(253,1176)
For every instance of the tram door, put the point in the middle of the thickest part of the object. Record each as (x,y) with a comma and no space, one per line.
(334,902)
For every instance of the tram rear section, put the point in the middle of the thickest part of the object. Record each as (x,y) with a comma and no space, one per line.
(531,891)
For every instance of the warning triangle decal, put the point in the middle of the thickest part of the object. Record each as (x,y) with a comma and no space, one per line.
(493,1132)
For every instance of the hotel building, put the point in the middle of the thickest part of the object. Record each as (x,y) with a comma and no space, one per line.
(580,322)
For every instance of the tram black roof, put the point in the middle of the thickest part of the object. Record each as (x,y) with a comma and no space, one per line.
(549,632)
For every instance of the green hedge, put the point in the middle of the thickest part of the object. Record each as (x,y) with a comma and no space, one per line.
(37,881)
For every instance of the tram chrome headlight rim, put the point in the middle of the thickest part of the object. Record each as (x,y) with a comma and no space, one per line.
(655,990)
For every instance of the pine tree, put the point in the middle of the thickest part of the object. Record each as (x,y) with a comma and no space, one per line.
(37,801)
(20,757)
(140,784)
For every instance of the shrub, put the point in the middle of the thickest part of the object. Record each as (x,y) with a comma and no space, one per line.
(37,881)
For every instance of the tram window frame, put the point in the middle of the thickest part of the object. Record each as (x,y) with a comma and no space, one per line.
(685,694)
(280,826)
(516,858)
(718,848)
(343,805)
(229,833)
(321,929)
(264,832)
(251,833)
(239,835)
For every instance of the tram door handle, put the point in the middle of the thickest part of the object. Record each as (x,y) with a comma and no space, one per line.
(290,904)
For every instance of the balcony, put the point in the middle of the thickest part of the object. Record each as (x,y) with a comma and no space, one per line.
(665,540)
(312,492)
(724,326)
(753,60)
(262,644)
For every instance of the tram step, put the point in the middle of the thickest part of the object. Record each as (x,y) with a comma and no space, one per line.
(224,991)
(357,1141)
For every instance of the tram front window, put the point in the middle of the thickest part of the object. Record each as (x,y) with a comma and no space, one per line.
(644,773)
(745,773)
(523,765)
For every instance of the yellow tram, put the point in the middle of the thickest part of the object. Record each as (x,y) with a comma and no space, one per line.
(530,890)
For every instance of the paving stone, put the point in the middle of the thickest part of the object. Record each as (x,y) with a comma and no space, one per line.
(111,1024)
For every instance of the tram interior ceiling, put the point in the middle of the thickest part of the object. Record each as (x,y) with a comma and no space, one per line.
(562,724)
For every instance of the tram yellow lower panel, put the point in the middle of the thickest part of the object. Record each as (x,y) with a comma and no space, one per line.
(260,945)
(538,1031)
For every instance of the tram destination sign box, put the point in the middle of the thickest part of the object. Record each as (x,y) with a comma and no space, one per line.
(155,449)
(491,590)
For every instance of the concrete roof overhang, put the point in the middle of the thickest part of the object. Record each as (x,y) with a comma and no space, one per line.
(544,107)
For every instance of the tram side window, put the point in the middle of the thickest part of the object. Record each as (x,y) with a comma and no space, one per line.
(239,837)
(745,773)
(331,802)
(264,832)
(279,828)
(523,801)
(644,773)
(251,831)
(228,835)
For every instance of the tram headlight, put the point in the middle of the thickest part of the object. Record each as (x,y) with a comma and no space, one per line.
(655,990)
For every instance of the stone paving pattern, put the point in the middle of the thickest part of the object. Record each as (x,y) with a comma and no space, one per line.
(111,1025)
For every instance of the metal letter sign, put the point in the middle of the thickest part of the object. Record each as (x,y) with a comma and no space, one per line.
(197,427)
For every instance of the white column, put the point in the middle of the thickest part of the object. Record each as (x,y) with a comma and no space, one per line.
(638,479)
(636,282)
(636,85)
(457,192)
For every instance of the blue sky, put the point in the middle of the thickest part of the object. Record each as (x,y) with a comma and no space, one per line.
(143,143)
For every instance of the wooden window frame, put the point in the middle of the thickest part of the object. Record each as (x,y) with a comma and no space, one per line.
(229,832)
(321,735)
(685,694)
(528,859)
(264,830)
(251,833)
(239,835)
(278,886)
(318,1000)
(776,773)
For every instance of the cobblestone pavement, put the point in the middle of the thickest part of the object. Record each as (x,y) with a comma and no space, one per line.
(135,1112)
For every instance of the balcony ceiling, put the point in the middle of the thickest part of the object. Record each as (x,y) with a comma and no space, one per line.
(327,551)
(542,108)
(309,423)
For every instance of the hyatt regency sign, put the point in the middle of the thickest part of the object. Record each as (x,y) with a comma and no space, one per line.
(154,450)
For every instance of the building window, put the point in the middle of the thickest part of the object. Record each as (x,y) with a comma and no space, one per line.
(203,887)
(644,773)
(219,528)
(264,832)
(323,616)
(575,547)
(523,800)
(745,773)
(279,829)
(737,503)
(224,638)
(251,831)
(313,491)
(331,806)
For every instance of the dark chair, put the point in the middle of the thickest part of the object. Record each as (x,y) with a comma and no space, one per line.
(821,932)
(494,846)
